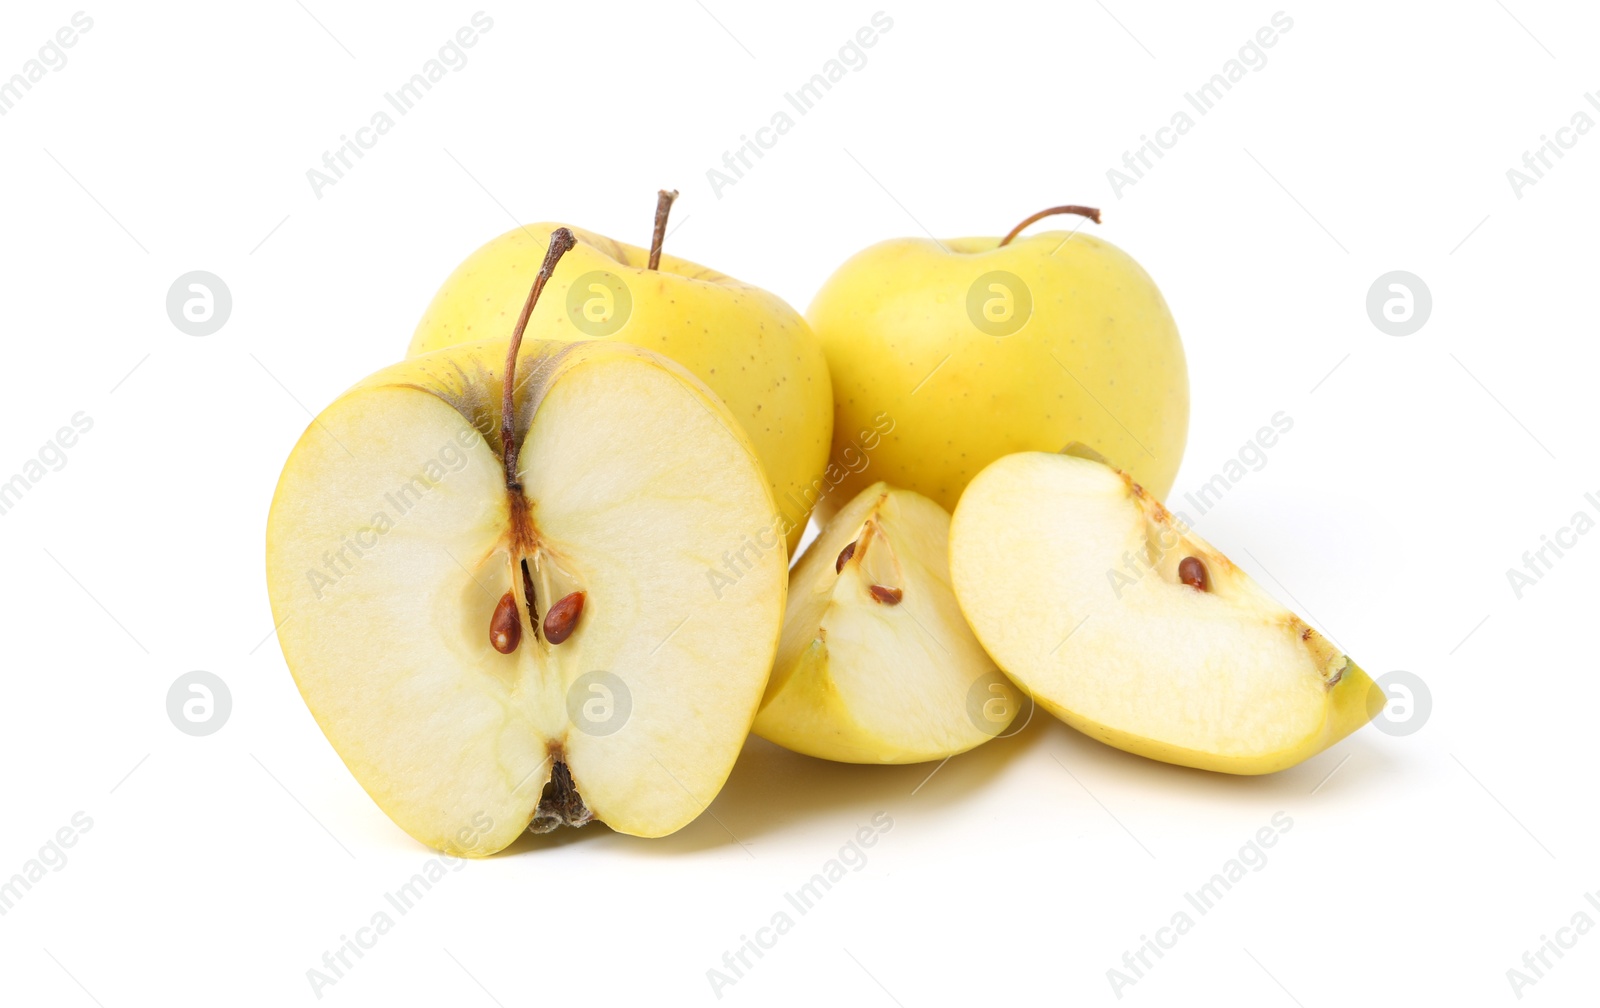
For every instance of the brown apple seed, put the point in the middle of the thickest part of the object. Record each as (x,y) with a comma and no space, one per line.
(1192,572)
(844,557)
(888,596)
(505,629)
(562,618)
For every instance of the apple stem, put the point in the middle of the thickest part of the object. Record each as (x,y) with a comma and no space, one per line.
(561,241)
(664,200)
(1090,212)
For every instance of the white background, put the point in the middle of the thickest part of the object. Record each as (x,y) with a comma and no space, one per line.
(1376,138)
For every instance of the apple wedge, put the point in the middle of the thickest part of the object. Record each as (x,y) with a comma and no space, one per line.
(1135,631)
(876,663)
(495,631)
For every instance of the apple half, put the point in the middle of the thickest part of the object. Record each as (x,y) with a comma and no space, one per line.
(489,650)
(876,664)
(1132,629)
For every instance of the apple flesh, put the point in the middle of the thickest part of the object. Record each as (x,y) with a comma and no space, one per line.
(751,348)
(396,538)
(975,350)
(1137,632)
(876,663)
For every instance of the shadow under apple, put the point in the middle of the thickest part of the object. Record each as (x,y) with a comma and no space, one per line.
(1340,768)
(772,789)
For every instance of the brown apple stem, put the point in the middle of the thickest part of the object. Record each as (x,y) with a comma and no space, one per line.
(1090,212)
(664,200)
(561,241)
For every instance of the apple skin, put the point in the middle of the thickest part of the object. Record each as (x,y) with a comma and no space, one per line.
(1353,702)
(753,350)
(901,341)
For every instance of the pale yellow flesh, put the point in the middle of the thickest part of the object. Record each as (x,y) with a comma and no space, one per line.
(1068,574)
(747,345)
(861,681)
(637,481)
(1098,362)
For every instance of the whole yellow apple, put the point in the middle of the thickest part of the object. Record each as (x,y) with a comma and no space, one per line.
(753,350)
(975,348)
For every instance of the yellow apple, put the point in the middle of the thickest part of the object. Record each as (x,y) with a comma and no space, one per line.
(493,593)
(876,663)
(974,348)
(752,349)
(1122,622)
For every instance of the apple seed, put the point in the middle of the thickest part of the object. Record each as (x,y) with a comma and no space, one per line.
(505,629)
(562,618)
(844,557)
(888,596)
(1192,572)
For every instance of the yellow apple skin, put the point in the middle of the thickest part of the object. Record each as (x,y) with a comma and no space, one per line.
(1352,702)
(1097,361)
(753,350)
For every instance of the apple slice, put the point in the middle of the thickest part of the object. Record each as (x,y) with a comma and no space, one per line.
(495,631)
(876,663)
(1135,631)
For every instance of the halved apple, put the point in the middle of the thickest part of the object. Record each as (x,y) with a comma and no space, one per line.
(491,639)
(1134,630)
(876,663)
